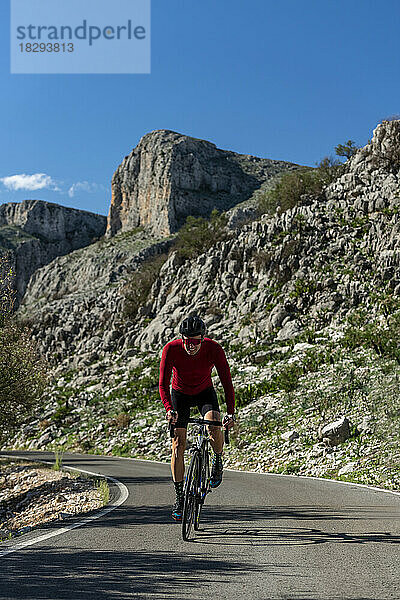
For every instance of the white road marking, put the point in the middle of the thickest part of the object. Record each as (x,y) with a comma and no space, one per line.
(124,494)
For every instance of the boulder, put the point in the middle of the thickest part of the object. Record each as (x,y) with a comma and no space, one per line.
(290,436)
(336,432)
(290,330)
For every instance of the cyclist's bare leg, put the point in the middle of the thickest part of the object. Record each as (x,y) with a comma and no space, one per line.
(178,452)
(216,437)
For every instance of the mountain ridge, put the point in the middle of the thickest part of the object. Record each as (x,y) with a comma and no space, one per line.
(34,232)
(169,176)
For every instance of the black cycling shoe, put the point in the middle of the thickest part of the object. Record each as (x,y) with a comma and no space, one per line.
(177,510)
(216,473)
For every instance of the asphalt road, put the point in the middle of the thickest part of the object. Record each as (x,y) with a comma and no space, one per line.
(263,537)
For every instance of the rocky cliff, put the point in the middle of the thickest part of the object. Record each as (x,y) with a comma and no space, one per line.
(35,232)
(306,303)
(307,267)
(169,176)
(273,278)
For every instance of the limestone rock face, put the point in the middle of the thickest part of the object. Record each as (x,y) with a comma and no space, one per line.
(53,222)
(271,279)
(306,267)
(372,175)
(169,176)
(35,232)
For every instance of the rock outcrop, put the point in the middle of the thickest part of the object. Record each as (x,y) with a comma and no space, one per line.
(271,279)
(307,267)
(76,302)
(169,176)
(35,232)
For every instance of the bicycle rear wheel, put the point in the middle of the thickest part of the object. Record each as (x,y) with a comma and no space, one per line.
(190,501)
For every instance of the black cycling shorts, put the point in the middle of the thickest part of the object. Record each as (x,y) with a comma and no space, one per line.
(182,403)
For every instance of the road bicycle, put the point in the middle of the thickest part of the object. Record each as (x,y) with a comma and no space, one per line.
(197,483)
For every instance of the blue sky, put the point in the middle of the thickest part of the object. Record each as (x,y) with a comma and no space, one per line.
(286,80)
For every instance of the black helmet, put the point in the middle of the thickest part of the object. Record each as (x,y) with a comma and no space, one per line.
(192,326)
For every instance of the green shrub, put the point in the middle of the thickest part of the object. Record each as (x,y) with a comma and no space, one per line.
(137,289)
(314,358)
(294,184)
(347,150)
(58,456)
(384,339)
(104,490)
(7,293)
(288,378)
(288,191)
(199,234)
(303,288)
(290,468)
(62,411)
(22,372)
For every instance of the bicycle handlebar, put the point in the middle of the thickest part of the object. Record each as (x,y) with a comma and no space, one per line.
(205,422)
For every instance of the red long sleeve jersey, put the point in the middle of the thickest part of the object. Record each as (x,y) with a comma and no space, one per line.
(192,374)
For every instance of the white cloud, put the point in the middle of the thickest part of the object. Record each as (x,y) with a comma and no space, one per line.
(37,181)
(84,186)
(40,181)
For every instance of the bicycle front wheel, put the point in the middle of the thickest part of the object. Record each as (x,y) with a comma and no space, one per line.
(191,492)
(203,488)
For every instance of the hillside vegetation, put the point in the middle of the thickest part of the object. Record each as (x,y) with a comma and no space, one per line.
(306,301)
(22,371)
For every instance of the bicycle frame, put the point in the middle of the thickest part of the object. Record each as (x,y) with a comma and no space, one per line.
(202,448)
(197,482)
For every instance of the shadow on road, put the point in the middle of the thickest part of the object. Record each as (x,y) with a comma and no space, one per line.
(145,480)
(282,536)
(61,573)
(216,514)
(254,526)
(104,575)
(241,526)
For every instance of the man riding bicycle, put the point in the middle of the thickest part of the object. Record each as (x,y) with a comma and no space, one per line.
(191,360)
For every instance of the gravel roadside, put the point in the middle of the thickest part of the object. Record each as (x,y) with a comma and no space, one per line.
(32,494)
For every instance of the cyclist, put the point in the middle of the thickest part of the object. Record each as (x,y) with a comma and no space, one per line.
(191,360)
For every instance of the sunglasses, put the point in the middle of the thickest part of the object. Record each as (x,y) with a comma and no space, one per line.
(191,341)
